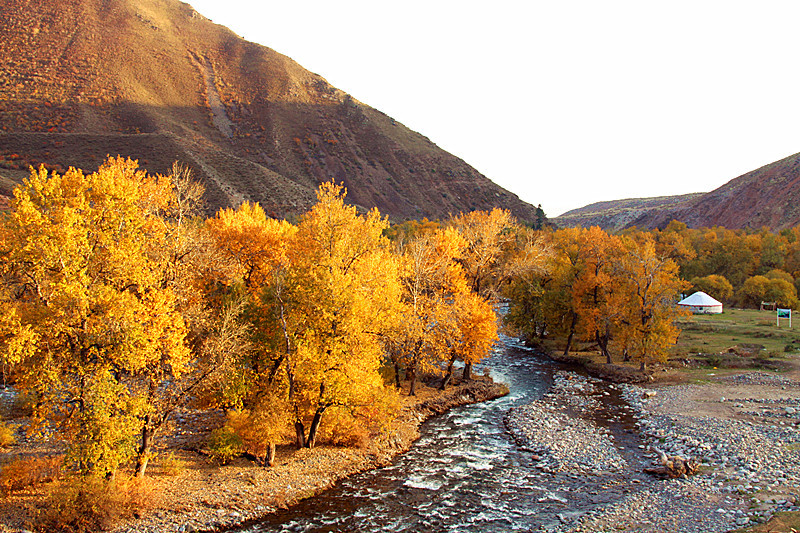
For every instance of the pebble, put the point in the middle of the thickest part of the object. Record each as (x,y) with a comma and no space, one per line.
(750,468)
(561,442)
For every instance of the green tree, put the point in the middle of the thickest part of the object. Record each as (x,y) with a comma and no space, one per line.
(714,285)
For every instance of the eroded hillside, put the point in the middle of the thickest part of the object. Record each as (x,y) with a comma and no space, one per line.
(155,80)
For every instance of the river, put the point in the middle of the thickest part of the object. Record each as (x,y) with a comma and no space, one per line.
(466,474)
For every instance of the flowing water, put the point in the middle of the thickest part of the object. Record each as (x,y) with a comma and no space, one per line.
(466,474)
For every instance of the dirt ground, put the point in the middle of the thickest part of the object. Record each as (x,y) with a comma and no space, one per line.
(722,390)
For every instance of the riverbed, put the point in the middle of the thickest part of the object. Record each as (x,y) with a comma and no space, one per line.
(565,452)
(469,473)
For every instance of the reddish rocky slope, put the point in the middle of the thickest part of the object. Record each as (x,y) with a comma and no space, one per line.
(768,196)
(155,80)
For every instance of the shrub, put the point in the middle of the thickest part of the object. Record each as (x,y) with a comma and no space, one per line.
(88,504)
(7,437)
(22,473)
(224,444)
(172,465)
(342,429)
(261,429)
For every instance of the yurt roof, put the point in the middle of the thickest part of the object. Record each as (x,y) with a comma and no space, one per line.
(699,299)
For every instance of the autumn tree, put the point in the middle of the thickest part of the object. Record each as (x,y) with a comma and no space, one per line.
(650,287)
(488,235)
(322,294)
(674,242)
(596,291)
(757,289)
(431,279)
(558,300)
(473,324)
(531,272)
(260,264)
(345,294)
(90,320)
(490,238)
(714,285)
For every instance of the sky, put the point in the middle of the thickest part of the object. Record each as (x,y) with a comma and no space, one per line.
(563,102)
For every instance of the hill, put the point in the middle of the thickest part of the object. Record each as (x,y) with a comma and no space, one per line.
(157,81)
(768,196)
(615,215)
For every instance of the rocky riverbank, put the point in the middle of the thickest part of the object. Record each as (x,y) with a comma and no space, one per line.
(743,429)
(561,441)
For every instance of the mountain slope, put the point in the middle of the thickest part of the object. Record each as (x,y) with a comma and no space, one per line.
(155,80)
(768,196)
(615,215)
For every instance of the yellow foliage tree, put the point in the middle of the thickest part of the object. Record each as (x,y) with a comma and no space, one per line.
(89,320)
(488,235)
(651,287)
(596,291)
(431,279)
(322,294)
(345,293)
(491,239)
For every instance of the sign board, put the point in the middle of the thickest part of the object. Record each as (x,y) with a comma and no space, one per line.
(784,313)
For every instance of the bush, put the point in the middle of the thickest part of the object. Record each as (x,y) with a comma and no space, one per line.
(92,504)
(172,465)
(344,431)
(224,445)
(7,437)
(22,473)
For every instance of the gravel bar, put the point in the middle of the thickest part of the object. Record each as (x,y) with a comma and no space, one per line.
(750,458)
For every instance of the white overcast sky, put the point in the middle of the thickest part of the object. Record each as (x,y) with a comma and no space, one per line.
(563,102)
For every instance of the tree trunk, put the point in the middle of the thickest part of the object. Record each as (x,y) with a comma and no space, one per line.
(602,343)
(397,382)
(449,376)
(467,372)
(146,445)
(271,454)
(412,388)
(642,367)
(312,431)
(300,433)
(571,333)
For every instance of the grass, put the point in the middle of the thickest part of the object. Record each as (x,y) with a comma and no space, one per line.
(717,333)
(705,342)
(757,342)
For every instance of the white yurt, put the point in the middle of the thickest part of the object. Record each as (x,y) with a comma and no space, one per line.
(701,303)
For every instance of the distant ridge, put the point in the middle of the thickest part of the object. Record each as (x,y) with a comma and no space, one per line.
(157,81)
(615,215)
(766,197)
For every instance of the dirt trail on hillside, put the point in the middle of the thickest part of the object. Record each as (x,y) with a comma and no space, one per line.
(218,114)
